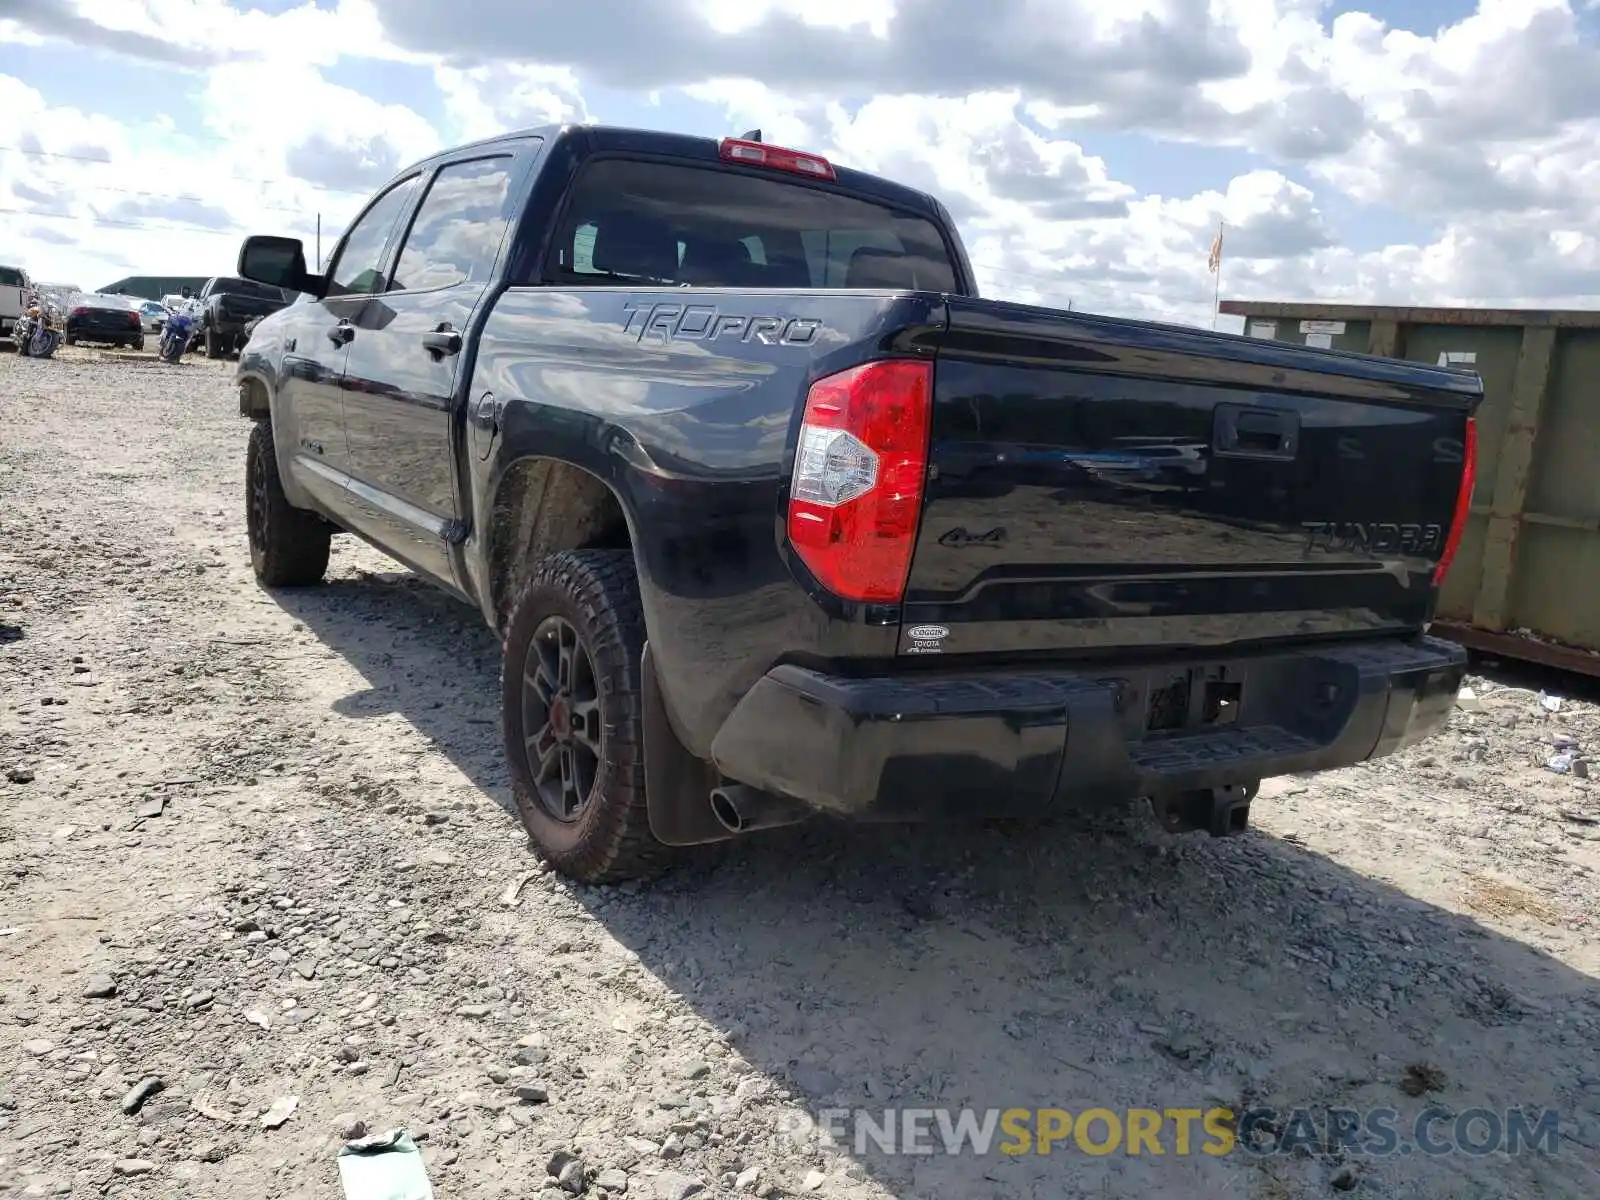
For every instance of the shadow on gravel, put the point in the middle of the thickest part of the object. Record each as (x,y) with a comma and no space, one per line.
(1069,965)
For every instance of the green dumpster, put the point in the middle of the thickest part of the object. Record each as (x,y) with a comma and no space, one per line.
(1526,580)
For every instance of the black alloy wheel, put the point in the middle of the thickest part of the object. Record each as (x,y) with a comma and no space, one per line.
(571,704)
(564,731)
(289,547)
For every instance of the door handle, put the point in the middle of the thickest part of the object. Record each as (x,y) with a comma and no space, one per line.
(442,341)
(341,333)
(1243,432)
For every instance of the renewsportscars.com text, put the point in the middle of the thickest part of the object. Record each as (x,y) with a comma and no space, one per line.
(1187,1131)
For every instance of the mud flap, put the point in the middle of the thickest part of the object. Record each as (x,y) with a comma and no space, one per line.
(677,785)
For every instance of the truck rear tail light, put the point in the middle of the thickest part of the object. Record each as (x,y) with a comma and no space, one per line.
(1458,522)
(759,154)
(80,311)
(855,499)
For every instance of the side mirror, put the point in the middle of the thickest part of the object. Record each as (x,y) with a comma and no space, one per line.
(278,262)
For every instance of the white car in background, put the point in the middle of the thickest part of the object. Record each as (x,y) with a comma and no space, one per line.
(153,315)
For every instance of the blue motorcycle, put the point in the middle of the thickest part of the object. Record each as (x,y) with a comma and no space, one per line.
(175,337)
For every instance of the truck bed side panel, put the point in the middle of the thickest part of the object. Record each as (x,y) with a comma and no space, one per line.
(685,405)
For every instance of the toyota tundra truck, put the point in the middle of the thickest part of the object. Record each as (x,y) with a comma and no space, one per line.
(776,519)
(227,307)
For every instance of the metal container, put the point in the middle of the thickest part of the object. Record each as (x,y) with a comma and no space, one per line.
(1526,579)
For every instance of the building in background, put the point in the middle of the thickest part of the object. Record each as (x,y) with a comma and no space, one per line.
(153,287)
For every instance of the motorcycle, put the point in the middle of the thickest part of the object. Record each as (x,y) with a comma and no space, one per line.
(36,333)
(175,336)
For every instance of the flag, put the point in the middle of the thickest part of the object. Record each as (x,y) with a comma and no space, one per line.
(1214,263)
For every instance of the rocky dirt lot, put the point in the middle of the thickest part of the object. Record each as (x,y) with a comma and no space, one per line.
(257,848)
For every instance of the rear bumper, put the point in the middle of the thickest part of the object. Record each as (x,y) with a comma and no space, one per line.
(935,747)
(101,333)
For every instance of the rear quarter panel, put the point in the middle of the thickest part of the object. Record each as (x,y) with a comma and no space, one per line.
(686,405)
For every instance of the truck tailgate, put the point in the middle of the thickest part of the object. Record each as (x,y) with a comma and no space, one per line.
(1103,485)
(241,306)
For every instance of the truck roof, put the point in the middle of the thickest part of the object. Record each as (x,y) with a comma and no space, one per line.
(625,140)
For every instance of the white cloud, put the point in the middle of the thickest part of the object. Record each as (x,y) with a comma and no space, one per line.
(483,101)
(1481,132)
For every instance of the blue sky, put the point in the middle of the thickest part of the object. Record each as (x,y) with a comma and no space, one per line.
(120,87)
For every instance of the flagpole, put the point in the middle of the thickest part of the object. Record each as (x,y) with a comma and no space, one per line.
(1216,296)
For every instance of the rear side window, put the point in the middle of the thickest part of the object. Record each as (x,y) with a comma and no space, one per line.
(458,229)
(359,267)
(11,277)
(653,223)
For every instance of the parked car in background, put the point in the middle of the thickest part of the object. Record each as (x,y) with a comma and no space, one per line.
(110,320)
(59,294)
(16,293)
(227,305)
(153,315)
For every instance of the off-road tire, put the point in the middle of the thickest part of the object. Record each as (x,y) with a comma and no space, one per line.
(289,547)
(213,343)
(609,840)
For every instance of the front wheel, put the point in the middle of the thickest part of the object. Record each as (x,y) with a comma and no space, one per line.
(572,716)
(289,547)
(214,346)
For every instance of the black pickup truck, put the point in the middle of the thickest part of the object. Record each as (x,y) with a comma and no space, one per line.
(227,307)
(776,518)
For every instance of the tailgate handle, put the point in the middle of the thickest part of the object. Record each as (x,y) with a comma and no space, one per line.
(1242,432)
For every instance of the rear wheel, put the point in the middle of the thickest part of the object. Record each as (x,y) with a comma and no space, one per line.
(289,547)
(571,703)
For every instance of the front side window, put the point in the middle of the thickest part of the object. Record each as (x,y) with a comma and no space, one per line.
(653,224)
(358,269)
(458,228)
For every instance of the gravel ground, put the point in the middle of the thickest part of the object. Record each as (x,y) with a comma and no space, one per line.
(257,847)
